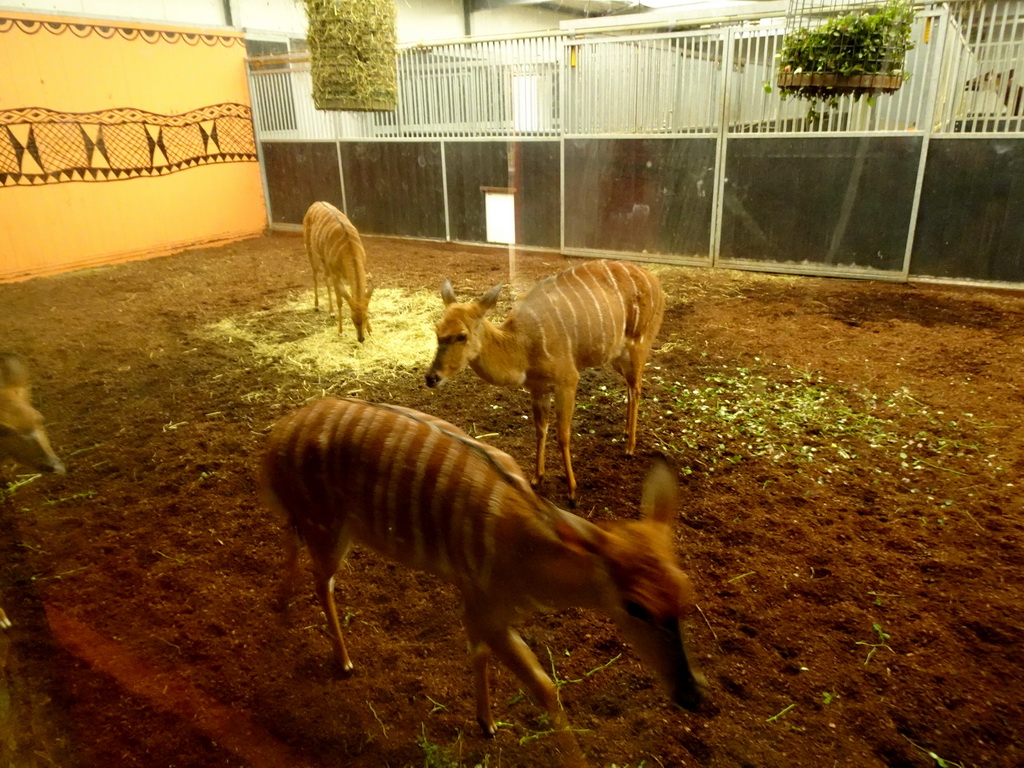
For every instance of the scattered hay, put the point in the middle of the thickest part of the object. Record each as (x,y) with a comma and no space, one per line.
(292,334)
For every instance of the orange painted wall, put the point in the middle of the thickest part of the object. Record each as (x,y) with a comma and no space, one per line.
(53,227)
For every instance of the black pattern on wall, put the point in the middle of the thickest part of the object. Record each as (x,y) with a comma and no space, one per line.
(107,31)
(42,146)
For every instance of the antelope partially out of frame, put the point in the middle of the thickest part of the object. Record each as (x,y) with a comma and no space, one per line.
(1003,85)
(422,492)
(595,313)
(334,247)
(22,436)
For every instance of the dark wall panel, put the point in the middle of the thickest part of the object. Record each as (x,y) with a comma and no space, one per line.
(538,211)
(533,172)
(971,220)
(639,195)
(471,165)
(298,174)
(394,188)
(840,202)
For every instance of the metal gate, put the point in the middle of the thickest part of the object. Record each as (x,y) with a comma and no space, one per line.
(675,146)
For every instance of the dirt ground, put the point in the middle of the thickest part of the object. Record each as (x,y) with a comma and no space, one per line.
(850,457)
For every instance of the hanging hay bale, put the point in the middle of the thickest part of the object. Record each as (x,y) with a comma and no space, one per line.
(353,52)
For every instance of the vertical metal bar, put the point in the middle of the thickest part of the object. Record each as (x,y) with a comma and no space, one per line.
(341,176)
(566,74)
(673,94)
(481,95)
(724,54)
(747,44)
(584,65)
(496,89)
(497,75)
(763,44)
(779,103)
(726,42)
(441,87)
(1005,64)
(431,76)
(273,113)
(644,55)
(1018,59)
(423,117)
(306,123)
(978,125)
(251,81)
(630,82)
(444,191)
(422,74)
(943,16)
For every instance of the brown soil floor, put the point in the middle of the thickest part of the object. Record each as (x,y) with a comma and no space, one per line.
(859,580)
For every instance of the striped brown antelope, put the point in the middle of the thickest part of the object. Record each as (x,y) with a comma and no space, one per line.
(422,492)
(334,247)
(595,313)
(22,436)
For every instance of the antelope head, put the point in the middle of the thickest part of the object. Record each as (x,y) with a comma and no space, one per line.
(22,436)
(459,333)
(360,309)
(646,593)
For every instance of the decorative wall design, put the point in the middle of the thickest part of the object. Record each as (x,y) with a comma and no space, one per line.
(107,31)
(42,146)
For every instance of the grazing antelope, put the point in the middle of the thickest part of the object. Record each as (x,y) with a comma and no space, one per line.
(422,492)
(595,313)
(22,436)
(334,247)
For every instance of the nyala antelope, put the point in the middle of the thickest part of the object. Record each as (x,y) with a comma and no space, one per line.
(22,436)
(334,248)
(596,313)
(422,492)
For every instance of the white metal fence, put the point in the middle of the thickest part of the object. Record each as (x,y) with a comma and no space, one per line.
(967,76)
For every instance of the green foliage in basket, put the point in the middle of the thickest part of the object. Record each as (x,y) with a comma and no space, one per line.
(873,41)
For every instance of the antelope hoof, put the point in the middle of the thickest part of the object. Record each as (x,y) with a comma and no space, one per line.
(489,729)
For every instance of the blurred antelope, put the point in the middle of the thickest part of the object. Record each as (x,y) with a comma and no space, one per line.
(1003,85)
(422,492)
(22,436)
(334,247)
(595,313)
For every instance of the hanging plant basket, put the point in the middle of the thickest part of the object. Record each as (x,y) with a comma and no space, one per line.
(858,49)
(822,83)
(353,54)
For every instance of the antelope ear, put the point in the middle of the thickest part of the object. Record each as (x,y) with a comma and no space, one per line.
(489,299)
(579,534)
(447,294)
(660,494)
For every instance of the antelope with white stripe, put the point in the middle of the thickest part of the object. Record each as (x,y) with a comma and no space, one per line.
(334,247)
(422,492)
(595,313)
